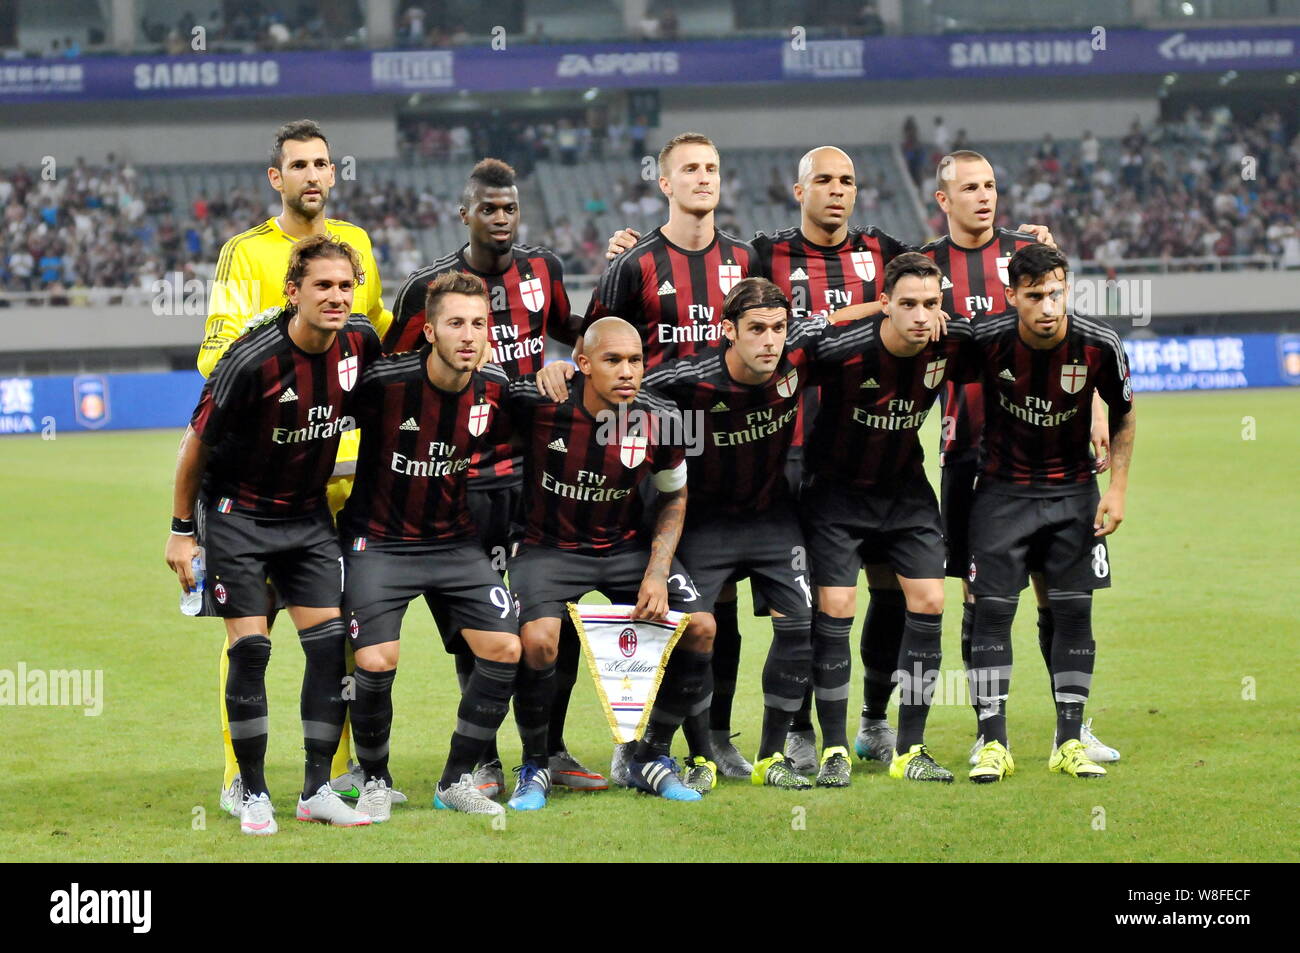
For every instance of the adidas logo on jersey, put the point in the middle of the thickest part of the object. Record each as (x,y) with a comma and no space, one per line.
(945,284)
(719,407)
(409,424)
(869,382)
(288,396)
(1007,376)
(798,275)
(558,444)
(667,288)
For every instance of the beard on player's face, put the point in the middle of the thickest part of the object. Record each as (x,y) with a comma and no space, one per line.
(458,339)
(308,209)
(449,349)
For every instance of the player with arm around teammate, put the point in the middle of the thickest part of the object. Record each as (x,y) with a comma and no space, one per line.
(866,501)
(746,398)
(407,532)
(583,532)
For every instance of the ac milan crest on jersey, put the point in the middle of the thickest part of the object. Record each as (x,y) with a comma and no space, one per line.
(1002,262)
(934,372)
(864,265)
(728,276)
(220,593)
(632,451)
(1073,377)
(788,384)
(532,294)
(348,372)
(478,418)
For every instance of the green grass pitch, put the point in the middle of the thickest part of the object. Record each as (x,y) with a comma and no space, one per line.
(1196,685)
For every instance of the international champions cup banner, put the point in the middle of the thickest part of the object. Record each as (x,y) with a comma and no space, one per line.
(627,658)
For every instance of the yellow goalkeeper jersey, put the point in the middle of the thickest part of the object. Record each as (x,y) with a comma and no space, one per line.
(250,278)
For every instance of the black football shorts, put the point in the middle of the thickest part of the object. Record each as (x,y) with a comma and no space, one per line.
(768,548)
(300,556)
(848,528)
(544,579)
(1010,535)
(456,580)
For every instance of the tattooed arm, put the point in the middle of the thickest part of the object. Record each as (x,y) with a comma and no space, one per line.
(652,600)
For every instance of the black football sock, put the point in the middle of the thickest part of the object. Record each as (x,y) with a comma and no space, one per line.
(1046,628)
(786,677)
(566,676)
(695,727)
(967,633)
(1073,655)
(831,660)
(372,721)
(534,689)
(246,708)
(322,704)
(726,664)
(918,667)
(882,637)
(802,718)
(465,669)
(990,657)
(684,687)
(483,706)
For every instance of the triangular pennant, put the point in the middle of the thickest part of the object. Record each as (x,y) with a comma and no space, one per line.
(627,658)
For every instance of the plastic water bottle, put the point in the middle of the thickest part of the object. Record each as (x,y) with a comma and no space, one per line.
(192,600)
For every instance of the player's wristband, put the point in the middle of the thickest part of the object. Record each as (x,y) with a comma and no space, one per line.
(182,527)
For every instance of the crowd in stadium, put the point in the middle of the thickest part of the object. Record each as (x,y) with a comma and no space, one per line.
(1202,186)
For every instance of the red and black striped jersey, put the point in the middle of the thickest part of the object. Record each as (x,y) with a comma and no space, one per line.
(416,445)
(1038,423)
(528,302)
(737,461)
(973,288)
(873,406)
(819,279)
(273,413)
(581,472)
(672,296)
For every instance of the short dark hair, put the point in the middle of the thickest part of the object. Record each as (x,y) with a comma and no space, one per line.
(945,173)
(320,246)
(682,139)
(300,130)
(452,283)
(750,293)
(909,263)
(1035,262)
(488,173)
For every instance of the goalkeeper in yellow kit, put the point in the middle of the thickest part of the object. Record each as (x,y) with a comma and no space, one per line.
(249,279)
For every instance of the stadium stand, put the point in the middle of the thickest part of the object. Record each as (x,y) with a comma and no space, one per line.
(1202,192)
